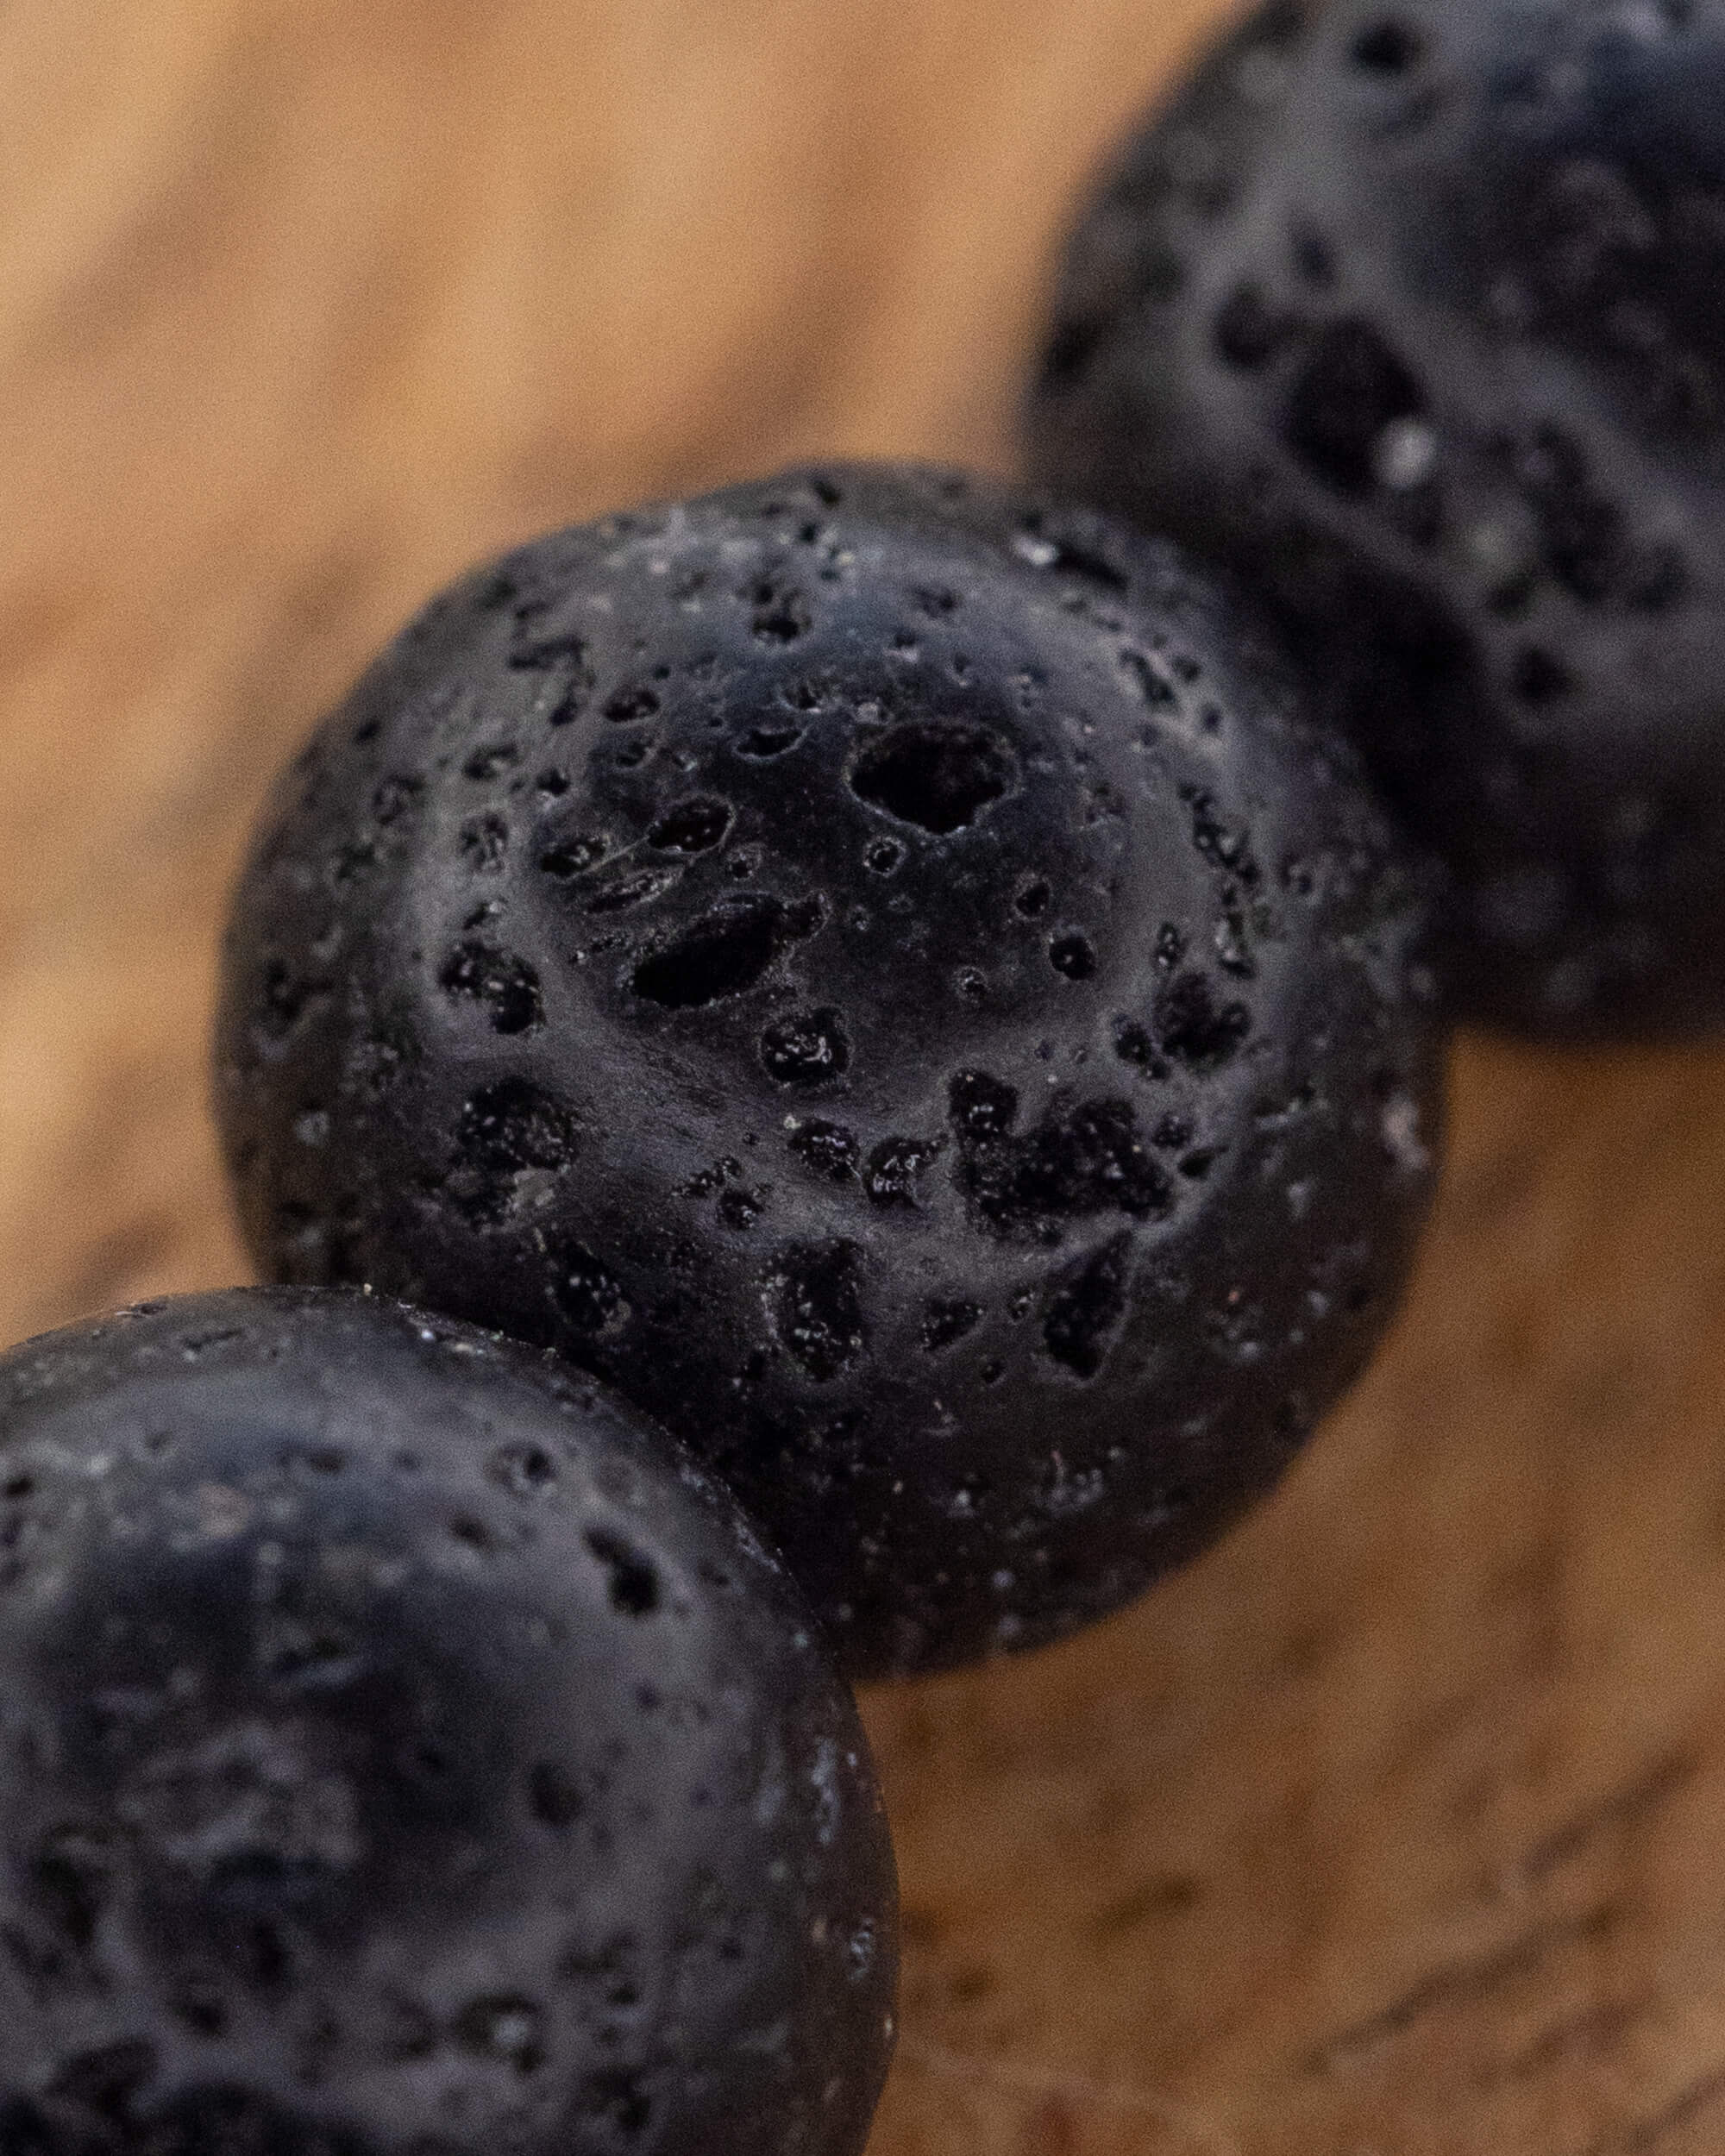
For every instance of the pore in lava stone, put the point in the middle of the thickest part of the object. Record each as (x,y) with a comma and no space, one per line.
(1416,315)
(406,1749)
(886,975)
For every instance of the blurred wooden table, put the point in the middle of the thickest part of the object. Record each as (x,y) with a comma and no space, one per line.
(1397,1828)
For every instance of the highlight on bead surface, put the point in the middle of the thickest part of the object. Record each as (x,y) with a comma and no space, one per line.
(888,976)
(405,1746)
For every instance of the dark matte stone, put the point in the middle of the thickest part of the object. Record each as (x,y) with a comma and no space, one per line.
(1416,315)
(928,1017)
(406,1748)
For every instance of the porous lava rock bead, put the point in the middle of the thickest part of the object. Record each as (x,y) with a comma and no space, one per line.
(1415,314)
(886,975)
(406,1751)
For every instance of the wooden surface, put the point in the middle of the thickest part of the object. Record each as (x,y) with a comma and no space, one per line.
(1396,1827)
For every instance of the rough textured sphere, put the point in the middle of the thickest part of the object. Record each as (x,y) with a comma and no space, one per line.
(406,1751)
(1417,314)
(886,976)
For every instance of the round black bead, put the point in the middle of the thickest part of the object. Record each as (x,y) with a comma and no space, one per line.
(1413,314)
(888,976)
(406,1748)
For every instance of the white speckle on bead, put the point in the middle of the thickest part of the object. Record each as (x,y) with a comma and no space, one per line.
(1401,1135)
(1404,454)
(223,1512)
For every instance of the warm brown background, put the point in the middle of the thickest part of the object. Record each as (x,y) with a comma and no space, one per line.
(1395,1829)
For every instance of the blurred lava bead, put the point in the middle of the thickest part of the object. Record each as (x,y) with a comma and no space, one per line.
(1416,315)
(886,976)
(404,1748)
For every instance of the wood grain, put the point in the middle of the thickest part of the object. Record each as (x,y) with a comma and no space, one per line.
(1392,1829)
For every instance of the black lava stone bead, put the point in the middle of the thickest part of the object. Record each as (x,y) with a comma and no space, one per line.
(406,1751)
(1415,314)
(886,976)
